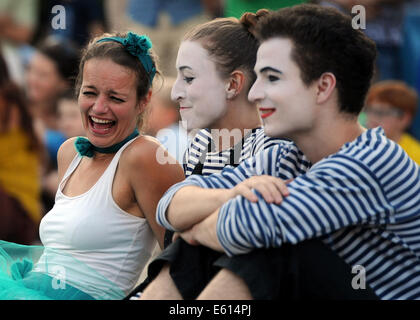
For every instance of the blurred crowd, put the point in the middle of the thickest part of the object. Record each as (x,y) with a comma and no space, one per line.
(41,41)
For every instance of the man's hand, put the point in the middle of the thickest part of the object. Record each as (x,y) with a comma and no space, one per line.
(187,235)
(272,189)
(203,233)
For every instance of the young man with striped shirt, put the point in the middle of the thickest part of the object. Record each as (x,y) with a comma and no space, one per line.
(360,196)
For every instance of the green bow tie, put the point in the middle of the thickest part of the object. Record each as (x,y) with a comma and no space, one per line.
(86,148)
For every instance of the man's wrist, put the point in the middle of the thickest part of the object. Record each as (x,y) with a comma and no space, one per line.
(205,232)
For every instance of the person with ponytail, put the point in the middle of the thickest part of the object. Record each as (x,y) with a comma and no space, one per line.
(102,229)
(215,72)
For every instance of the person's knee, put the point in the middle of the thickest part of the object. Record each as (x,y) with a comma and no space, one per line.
(162,287)
(226,285)
(164,272)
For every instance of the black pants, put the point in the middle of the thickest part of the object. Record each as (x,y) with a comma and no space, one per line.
(308,270)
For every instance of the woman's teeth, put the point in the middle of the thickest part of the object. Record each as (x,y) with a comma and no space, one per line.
(101,121)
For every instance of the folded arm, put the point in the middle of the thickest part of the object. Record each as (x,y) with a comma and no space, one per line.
(336,195)
(194,199)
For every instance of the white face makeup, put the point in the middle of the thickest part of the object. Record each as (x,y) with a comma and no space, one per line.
(199,89)
(285,104)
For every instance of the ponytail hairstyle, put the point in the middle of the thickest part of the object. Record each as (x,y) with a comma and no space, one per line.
(230,42)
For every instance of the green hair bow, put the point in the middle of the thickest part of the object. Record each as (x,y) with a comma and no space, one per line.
(137,46)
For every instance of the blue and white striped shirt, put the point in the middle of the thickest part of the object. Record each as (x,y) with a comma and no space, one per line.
(216,161)
(363,201)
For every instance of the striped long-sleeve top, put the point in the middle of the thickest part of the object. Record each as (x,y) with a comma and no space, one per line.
(201,158)
(215,161)
(363,201)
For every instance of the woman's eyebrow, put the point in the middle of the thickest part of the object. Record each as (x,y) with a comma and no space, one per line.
(184,67)
(112,92)
(89,87)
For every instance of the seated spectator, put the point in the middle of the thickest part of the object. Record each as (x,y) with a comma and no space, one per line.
(392,105)
(18,20)
(102,228)
(70,124)
(20,159)
(50,73)
(69,117)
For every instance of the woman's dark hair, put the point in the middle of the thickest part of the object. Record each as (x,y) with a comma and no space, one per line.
(230,42)
(119,55)
(65,56)
(325,41)
(14,97)
(4,71)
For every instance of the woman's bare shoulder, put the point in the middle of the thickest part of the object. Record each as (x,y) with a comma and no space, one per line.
(143,157)
(65,155)
(142,151)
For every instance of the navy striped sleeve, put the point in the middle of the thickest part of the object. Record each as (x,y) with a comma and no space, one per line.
(227,178)
(167,198)
(264,142)
(264,163)
(337,192)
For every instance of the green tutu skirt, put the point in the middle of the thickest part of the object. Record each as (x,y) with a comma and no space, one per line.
(39,273)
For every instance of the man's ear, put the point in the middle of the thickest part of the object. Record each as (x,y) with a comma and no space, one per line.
(235,84)
(325,87)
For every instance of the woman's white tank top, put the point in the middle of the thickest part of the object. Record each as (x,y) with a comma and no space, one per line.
(92,228)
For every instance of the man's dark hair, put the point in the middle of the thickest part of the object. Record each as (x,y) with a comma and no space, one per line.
(325,41)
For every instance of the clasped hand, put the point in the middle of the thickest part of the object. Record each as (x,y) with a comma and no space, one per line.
(272,189)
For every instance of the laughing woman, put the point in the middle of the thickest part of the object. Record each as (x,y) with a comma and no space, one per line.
(102,229)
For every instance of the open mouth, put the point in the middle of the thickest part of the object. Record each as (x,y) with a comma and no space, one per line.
(266,112)
(101,125)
